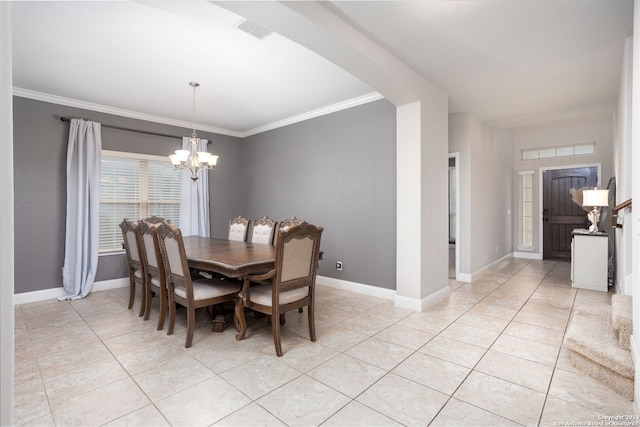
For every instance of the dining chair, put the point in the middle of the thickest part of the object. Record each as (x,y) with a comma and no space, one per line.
(181,288)
(238,228)
(155,276)
(286,223)
(289,286)
(263,230)
(135,265)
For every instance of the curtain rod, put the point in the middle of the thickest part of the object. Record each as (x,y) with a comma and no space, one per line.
(68,120)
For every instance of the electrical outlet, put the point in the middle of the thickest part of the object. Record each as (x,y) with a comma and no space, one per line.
(339,265)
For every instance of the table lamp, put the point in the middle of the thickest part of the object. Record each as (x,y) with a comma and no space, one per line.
(594,199)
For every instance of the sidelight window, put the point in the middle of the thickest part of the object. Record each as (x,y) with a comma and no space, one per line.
(525,201)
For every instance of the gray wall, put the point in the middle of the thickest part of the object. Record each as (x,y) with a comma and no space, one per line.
(337,171)
(40,141)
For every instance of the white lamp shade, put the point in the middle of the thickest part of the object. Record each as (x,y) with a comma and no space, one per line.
(182,155)
(595,197)
(174,159)
(203,156)
(212,160)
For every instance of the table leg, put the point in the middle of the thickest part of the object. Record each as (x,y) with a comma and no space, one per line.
(239,320)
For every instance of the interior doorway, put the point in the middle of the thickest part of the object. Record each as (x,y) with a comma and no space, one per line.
(454,229)
(560,214)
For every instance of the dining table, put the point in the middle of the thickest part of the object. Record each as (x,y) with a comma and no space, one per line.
(229,257)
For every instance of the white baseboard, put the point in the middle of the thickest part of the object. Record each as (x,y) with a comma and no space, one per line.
(390,294)
(359,288)
(635,357)
(476,273)
(527,255)
(53,293)
(464,277)
(424,303)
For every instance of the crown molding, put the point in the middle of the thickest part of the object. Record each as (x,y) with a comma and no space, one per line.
(353,102)
(70,102)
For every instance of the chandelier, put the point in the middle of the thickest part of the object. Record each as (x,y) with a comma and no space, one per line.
(193,160)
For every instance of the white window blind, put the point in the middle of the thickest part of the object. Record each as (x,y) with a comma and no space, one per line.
(135,186)
(525,197)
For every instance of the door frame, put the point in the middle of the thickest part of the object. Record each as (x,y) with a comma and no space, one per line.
(540,195)
(456,156)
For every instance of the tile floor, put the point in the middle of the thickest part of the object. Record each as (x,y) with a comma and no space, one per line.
(490,354)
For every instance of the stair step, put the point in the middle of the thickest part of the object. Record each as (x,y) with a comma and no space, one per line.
(595,350)
(622,320)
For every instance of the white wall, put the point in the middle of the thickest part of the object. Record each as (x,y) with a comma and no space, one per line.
(485,192)
(490,195)
(622,172)
(6,221)
(598,129)
(635,191)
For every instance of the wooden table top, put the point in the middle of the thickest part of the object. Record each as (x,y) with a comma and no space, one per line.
(228,257)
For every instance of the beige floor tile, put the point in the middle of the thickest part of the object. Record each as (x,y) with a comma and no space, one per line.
(358,415)
(519,371)
(87,376)
(535,333)
(403,400)
(453,351)
(582,390)
(260,376)
(516,403)
(442,311)
(470,334)
(457,413)
(251,415)
(147,416)
(497,307)
(229,354)
(379,353)
(518,307)
(303,402)
(148,356)
(432,372)
(367,323)
(404,336)
(558,411)
(495,324)
(339,338)
(101,406)
(202,404)
(355,375)
(171,377)
(305,355)
(426,322)
(526,349)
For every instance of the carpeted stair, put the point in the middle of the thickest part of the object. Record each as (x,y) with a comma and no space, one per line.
(598,338)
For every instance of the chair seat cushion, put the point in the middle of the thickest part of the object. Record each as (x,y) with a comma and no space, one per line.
(138,274)
(155,282)
(205,289)
(261,294)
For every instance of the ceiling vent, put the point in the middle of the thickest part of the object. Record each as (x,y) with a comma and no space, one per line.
(252,28)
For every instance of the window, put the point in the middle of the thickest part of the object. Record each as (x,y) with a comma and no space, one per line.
(525,240)
(135,186)
(568,150)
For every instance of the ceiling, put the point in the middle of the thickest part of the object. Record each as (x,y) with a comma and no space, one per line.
(499,60)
